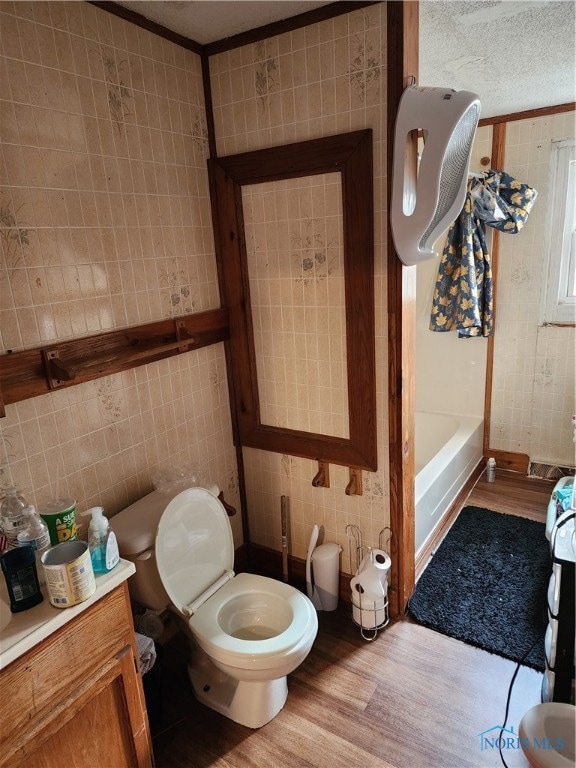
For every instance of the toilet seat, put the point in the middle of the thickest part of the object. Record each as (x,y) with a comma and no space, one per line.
(546,723)
(207,624)
(247,633)
(194,548)
(195,555)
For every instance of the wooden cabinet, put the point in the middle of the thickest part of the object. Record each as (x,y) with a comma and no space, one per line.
(76,699)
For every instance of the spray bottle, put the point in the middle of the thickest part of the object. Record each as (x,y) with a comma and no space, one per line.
(101,541)
(491,470)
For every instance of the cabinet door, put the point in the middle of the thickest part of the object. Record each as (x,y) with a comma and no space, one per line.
(101,722)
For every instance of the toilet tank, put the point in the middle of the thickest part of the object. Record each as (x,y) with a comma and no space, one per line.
(135,528)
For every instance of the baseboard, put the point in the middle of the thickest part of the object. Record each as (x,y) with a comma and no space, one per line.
(520,462)
(241,558)
(268,562)
(516,462)
(426,551)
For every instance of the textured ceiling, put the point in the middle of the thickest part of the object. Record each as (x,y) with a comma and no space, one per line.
(516,54)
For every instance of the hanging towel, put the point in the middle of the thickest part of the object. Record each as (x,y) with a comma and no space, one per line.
(463,296)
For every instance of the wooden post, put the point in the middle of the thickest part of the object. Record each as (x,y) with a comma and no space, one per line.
(402,70)
(498,159)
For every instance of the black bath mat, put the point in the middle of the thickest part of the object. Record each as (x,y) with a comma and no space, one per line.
(487,583)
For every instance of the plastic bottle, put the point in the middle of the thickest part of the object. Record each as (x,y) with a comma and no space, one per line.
(35,533)
(21,577)
(101,541)
(491,470)
(11,513)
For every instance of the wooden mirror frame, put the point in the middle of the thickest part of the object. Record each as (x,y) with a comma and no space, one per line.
(349,154)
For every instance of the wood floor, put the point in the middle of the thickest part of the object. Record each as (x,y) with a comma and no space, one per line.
(513,494)
(411,699)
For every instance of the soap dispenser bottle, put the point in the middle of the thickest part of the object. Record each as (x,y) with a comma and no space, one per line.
(101,541)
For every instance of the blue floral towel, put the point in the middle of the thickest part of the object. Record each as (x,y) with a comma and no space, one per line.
(463,297)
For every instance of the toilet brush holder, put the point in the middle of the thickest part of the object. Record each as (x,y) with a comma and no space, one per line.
(325,567)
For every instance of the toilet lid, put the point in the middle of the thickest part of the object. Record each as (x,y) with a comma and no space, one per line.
(194,545)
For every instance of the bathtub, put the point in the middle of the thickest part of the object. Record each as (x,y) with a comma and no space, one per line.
(448,448)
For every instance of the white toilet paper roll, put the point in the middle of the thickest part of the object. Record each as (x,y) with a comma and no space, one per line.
(369,585)
(377,558)
(380,559)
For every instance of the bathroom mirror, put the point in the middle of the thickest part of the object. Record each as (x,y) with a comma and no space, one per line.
(295,238)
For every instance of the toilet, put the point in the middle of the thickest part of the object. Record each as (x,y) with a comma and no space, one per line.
(246,632)
(547,735)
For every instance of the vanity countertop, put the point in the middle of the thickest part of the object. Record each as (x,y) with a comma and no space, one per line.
(19,632)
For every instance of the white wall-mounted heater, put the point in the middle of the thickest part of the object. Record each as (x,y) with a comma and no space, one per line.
(426,200)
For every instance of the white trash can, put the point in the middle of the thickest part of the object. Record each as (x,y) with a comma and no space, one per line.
(325,566)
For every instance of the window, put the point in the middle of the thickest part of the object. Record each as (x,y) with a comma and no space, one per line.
(560,304)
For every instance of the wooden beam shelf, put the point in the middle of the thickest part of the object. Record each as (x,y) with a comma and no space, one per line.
(33,372)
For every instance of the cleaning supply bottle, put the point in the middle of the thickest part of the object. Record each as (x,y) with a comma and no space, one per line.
(35,533)
(101,541)
(11,513)
(491,470)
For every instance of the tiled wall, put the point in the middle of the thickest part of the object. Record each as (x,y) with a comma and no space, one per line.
(105,223)
(295,259)
(325,79)
(534,365)
(450,372)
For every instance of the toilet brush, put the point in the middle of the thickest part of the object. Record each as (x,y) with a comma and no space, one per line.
(284,522)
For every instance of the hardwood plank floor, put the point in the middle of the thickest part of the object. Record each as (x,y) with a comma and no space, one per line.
(513,494)
(411,699)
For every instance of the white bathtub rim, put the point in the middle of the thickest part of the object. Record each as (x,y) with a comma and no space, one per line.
(433,431)
(428,474)
(448,500)
(440,481)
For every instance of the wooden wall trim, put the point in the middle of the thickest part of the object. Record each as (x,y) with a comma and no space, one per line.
(316,15)
(25,374)
(214,206)
(351,155)
(528,114)
(498,154)
(305,19)
(516,462)
(402,31)
(208,106)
